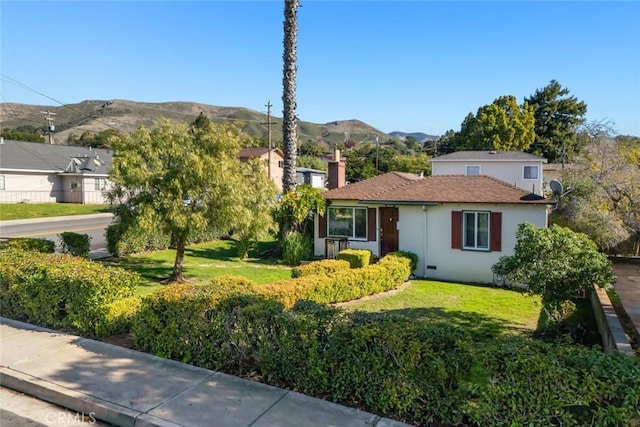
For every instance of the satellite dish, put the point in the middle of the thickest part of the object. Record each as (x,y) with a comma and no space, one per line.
(556,188)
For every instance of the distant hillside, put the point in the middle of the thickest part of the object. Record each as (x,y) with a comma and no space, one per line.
(420,136)
(125,116)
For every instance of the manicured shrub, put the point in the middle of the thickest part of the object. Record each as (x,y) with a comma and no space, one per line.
(29,244)
(124,239)
(342,285)
(537,383)
(325,266)
(76,244)
(62,291)
(357,258)
(119,317)
(296,247)
(404,254)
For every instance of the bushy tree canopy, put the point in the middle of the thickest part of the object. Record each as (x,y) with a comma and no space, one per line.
(555,263)
(185,179)
(557,117)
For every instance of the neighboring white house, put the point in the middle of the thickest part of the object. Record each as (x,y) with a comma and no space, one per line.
(520,169)
(43,173)
(313,177)
(459,226)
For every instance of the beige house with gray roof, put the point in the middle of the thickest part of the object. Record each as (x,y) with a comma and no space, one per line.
(43,173)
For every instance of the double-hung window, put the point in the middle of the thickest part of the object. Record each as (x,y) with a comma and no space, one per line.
(347,222)
(475,230)
(530,172)
(100,184)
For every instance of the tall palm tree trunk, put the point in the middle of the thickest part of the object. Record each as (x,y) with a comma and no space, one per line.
(289,130)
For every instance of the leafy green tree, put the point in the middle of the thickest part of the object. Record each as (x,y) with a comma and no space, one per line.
(503,125)
(557,117)
(555,263)
(184,180)
(22,135)
(312,162)
(297,208)
(311,149)
(411,164)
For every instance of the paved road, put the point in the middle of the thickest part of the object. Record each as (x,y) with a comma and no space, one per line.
(49,228)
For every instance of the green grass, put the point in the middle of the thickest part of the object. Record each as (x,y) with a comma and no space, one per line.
(202,262)
(485,311)
(40,210)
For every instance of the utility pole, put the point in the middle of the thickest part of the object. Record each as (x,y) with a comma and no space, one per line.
(50,126)
(269,123)
(377,154)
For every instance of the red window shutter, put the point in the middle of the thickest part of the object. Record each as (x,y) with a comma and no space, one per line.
(322,226)
(495,244)
(371,225)
(456,229)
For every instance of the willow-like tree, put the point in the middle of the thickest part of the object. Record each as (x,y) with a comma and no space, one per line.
(185,179)
(289,125)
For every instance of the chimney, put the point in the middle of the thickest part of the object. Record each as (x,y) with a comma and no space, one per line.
(337,176)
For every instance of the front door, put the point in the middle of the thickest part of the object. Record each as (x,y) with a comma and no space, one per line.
(388,230)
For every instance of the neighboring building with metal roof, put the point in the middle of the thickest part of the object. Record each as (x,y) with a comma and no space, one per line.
(458,225)
(523,170)
(43,173)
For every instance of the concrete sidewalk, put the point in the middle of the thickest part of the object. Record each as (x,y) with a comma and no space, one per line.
(129,388)
(627,287)
(51,219)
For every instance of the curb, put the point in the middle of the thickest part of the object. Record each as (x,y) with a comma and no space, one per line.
(52,219)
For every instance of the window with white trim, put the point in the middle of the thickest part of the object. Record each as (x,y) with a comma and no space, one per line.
(347,222)
(530,172)
(2,182)
(475,229)
(472,170)
(100,184)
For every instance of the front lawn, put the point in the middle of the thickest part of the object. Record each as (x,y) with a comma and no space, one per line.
(484,310)
(202,262)
(10,211)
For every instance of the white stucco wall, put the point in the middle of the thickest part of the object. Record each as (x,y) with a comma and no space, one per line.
(441,262)
(30,187)
(511,172)
(426,231)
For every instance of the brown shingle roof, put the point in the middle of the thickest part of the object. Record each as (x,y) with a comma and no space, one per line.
(372,186)
(400,188)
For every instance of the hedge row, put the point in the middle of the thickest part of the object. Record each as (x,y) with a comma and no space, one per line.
(424,373)
(67,292)
(343,285)
(29,244)
(325,266)
(357,258)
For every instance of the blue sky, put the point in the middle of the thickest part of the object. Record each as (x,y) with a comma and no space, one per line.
(410,66)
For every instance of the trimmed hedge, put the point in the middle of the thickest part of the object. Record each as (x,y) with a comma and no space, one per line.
(325,266)
(425,373)
(357,258)
(29,244)
(76,244)
(343,285)
(65,292)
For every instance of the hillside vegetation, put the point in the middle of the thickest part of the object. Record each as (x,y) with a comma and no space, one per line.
(125,116)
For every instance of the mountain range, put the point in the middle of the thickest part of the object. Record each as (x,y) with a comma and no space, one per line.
(125,116)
